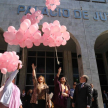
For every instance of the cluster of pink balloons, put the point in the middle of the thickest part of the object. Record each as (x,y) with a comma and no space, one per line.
(54,34)
(52,4)
(9,62)
(34,17)
(28,33)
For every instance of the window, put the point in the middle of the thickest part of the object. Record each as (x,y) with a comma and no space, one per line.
(75,68)
(99,1)
(46,66)
(101,71)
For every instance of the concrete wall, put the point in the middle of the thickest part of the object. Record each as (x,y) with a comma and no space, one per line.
(84,31)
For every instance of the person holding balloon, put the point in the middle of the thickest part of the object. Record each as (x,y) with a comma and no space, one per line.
(40,97)
(61,91)
(10,97)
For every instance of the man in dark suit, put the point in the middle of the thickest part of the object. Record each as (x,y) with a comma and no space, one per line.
(105,99)
(94,97)
(82,96)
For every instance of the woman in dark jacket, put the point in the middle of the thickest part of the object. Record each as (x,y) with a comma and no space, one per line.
(61,91)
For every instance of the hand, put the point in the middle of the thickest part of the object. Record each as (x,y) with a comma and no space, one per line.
(88,107)
(73,105)
(18,66)
(59,70)
(64,94)
(33,67)
(71,97)
(21,106)
(49,105)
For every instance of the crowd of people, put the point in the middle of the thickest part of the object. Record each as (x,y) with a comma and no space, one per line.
(82,95)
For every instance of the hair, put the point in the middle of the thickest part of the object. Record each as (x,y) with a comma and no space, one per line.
(86,77)
(66,83)
(28,91)
(43,79)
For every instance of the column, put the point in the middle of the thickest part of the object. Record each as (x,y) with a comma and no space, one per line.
(22,76)
(10,48)
(68,71)
(90,66)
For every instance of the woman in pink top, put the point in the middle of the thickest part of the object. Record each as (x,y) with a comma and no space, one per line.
(11,93)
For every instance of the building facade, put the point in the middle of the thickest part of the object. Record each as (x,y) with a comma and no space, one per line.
(85,53)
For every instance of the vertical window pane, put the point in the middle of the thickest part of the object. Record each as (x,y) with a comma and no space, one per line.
(51,89)
(75,66)
(31,53)
(50,79)
(76,78)
(30,61)
(40,65)
(27,88)
(29,80)
(49,65)
(49,54)
(41,53)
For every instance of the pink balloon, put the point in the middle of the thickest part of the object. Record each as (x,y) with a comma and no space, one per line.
(40,17)
(37,43)
(28,34)
(45,25)
(22,44)
(32,10)
(66,35)
(37,35)
(30,45)
(4,70)
(37,13)
(33,29)
(27,21)
(11,28)
(64,42)
(10,36)
(47,31)
(57,3)
(55,29)
(28,42)
(24,26)
(63,28)
(19,35)
(53,7)
(56,22)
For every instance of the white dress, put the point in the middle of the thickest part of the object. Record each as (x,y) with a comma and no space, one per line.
(7,91)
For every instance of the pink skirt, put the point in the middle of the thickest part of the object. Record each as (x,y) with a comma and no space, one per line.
(2,106)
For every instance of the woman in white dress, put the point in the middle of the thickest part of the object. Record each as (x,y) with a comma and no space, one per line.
(8,98)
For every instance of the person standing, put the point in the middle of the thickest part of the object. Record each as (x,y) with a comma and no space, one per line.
(61,91)
(11,93)
(82,97)
(40,96)
(72,92)
(23,98)
(105,98)
(94,97)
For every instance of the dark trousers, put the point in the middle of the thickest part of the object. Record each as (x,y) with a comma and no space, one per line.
(41,104)
(34,105)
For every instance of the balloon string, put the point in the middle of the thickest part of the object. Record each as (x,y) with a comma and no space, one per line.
(57,56)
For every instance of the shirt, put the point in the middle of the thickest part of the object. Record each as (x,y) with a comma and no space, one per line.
(7,91)
(72,92)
